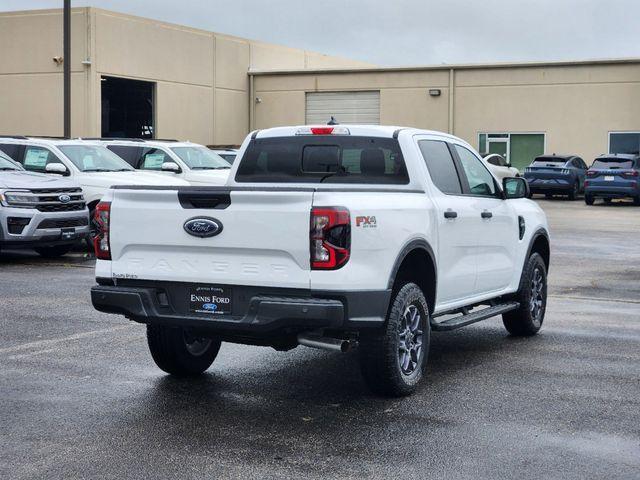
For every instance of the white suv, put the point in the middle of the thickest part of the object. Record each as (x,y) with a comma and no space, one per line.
(188,161)
(330,237)
(88,164)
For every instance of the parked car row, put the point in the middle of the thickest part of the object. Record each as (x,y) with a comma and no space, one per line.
(49,188)
(610,176)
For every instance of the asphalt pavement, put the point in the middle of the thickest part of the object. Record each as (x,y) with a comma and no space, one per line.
(81,398)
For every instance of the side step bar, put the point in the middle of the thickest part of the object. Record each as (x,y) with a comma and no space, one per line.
(469,318)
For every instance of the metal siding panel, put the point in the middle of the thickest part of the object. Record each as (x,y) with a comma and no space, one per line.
(346,107)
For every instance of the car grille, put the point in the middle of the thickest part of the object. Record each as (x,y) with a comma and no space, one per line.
(48,200)
(64,223)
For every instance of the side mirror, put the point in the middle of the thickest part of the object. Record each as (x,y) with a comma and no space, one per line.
(56,168)
(515,187)
(171,167)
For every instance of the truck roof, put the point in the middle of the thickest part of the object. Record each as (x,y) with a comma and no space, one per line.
(355,130)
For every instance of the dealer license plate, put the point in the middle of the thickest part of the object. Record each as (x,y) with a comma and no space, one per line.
(68,233)
(608,178)
(210,299)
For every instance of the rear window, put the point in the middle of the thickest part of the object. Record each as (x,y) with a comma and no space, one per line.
(544,160)
(612,163)
(323,159)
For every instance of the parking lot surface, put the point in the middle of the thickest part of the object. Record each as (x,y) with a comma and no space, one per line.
(81,397)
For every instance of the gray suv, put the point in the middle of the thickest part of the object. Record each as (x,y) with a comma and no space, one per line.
(39,211)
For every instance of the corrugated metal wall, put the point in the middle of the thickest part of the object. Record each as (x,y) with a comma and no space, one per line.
(346,107)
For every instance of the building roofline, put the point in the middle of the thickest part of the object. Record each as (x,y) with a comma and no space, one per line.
(461,66)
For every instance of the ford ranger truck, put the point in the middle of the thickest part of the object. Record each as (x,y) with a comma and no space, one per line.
(332,237)
(37,211)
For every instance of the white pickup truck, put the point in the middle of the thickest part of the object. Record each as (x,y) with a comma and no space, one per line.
(331,237)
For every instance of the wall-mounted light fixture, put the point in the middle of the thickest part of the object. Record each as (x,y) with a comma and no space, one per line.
(258,100)
(435,92)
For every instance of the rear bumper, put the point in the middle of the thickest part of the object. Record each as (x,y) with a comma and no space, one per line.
(545,185)
(257,312)
(612,191)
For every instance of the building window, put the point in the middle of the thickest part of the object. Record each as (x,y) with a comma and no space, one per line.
(624,142)
(519,149)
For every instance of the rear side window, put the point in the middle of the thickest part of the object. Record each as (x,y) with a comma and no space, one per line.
(129,154)
(323,159)
(13,150)
(440,165)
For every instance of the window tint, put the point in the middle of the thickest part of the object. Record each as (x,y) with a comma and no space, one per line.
(323,158)
(612,163)
(129,154)
(440,165)
(480,180)
(37,158)
(13,150)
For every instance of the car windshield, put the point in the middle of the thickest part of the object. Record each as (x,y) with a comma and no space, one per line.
(201,158)
(6,164)
(612,163)
(94,158)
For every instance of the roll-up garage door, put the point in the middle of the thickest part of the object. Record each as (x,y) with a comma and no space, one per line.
(346,107)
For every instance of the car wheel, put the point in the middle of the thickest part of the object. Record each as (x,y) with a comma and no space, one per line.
(53,252)
(588,199)
(180,352)
(548,196)
(573,193)
(636,200)
(393,359)
(532,295)
(607,201)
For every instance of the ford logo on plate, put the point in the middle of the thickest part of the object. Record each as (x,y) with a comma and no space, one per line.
(64,198)
(203,227)
(210,306)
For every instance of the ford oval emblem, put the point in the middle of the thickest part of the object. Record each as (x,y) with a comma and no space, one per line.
(210,306)
(64,198)
(203,227)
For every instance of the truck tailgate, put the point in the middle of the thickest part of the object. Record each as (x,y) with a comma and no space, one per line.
(264,238)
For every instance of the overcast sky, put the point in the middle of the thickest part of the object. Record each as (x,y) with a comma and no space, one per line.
(408,32)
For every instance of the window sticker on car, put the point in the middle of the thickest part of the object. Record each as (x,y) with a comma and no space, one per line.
(36,158)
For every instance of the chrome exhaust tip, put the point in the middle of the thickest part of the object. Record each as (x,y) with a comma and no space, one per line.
(325,343)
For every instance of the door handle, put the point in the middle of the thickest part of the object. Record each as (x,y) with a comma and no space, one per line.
(450,214)
(486,214)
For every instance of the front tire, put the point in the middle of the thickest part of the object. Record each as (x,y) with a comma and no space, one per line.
(53,252)
(532,295)
(179,352)
(393,359)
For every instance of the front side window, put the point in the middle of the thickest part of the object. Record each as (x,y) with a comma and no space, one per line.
(480,180)
(37,158)
(440,165)
(94,158)
(200,158)
(153,158)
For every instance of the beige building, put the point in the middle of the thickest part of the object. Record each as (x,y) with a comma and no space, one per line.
(520,110)
(133,76)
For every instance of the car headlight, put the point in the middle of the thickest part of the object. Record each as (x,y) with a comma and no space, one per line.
(9,199)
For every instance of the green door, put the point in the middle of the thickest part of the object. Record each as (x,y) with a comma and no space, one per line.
(524,148)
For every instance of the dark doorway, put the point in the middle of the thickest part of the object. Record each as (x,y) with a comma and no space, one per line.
(127,108)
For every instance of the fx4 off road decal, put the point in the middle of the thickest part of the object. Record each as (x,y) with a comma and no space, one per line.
(366,222)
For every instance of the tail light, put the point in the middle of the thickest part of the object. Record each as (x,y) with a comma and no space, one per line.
(330,238)
(632,174)
(586,183)
(528,170)
(101,219)
(591,173)
(566,171)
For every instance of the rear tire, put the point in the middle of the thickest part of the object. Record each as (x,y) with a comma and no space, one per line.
(178,352)
(53,252)
(636,200)
(548,196)
(607,201)
(393,358)
(532,295)
(588,199)
(575,190)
